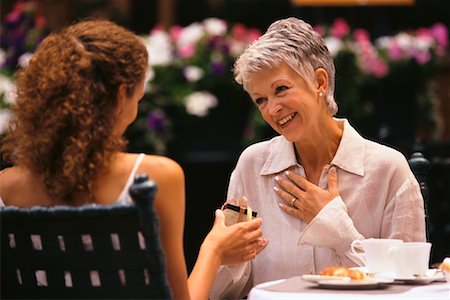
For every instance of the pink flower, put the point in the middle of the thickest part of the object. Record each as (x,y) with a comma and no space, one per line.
(379,68)
(40,22)
(252,35)
(18,9)
(340,28)
(423,32)
(175,32)
(440,32)
(186,51)
(395,51)
(422,57)
(366,47)
(319,29)
(361,35)
(239,31)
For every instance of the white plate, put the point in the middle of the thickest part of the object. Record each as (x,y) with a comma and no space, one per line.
(430,276)
(317,278)
(366,284)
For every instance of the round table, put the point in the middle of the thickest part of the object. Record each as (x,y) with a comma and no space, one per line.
(296,288)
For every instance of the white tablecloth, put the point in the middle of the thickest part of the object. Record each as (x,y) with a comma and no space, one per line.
(296,288)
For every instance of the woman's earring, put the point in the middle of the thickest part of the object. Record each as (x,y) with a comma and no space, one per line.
(320,94)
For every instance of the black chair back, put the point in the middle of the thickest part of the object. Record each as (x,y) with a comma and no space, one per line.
(420,166)
(88,252)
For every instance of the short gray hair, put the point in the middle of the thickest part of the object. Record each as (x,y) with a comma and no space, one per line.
(296,43)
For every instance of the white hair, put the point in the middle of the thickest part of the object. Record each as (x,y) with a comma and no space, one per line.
(294,42)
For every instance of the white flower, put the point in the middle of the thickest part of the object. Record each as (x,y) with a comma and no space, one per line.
(150,74)
(24,59)
(423,43)
(148,80)
(333,45)
(384,42)
(404,40)
(193,73)
(5,115)
(198,103)
(214,26)
(159,48)
(2,57)
(8,90)
(191,34)
(236,47)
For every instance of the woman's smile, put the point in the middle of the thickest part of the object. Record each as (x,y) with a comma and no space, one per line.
(284,122)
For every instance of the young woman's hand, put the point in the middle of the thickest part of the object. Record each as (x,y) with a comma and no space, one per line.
(237,243)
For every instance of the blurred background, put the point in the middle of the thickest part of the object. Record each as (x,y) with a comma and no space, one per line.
(392,82)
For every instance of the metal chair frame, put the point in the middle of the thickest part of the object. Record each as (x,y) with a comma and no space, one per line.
(87,252)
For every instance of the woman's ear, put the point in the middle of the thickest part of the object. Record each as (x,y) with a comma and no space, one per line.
(321,80)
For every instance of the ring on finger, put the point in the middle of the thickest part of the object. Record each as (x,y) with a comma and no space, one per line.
(293,202)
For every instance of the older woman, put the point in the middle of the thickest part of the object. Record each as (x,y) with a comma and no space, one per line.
(76,98)
(319,185)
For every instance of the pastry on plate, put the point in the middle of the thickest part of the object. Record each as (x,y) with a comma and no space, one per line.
(445,267)
(343,272)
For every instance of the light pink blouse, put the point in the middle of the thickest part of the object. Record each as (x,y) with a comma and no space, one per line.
(379,198)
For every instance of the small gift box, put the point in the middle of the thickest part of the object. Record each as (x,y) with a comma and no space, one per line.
(235,214)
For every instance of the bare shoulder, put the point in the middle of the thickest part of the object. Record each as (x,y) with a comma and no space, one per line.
(169,177)
(16,185)
(163,169)
(8,179)
(4,180)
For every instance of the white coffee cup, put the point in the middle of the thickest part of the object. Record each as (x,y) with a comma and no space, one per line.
(375,254)
(410,259)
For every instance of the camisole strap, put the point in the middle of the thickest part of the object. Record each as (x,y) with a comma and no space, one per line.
(1,200)
(124,197)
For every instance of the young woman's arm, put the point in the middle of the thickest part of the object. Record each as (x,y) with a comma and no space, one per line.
(170,206)
(224,245)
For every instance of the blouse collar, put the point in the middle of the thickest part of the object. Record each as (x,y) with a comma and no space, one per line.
(349,155)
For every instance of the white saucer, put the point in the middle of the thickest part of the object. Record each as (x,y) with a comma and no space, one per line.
(366,284)
(317,278)
(430,276)
(346,283)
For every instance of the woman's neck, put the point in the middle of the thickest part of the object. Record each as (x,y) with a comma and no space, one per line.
(320,147)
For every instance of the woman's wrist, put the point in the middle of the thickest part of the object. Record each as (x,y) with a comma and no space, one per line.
(204,272)
(211,252)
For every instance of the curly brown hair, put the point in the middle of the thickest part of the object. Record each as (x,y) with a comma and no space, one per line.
(66,105)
